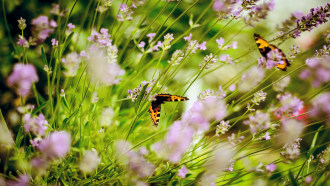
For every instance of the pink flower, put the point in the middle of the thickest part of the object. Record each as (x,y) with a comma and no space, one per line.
(22,78)
(23,42)
(202,46)
(271,167)
(188,38)
(57,145)
(37,125)
(42,28)
(54,42)
(220,42)
(23,180)
(183,172)
(151,36)
(142,44)
(71,26)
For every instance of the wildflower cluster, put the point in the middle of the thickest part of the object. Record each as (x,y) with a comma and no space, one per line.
(204,110)
(313,19)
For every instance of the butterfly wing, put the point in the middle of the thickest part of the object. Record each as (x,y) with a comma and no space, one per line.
(170,98)
(286,62)
(264,47)
(154,111)
(155,107)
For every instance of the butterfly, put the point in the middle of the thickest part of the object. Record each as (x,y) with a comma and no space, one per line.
(265,47)
(154,109)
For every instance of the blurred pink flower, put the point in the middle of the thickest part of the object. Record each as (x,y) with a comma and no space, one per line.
(271,167)
(37,125)
(42,28)
(23,180)
(183,172)
(57,145)
(22,78)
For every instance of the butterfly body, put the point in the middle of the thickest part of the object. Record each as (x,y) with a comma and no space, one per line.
(155,107)
(264,48)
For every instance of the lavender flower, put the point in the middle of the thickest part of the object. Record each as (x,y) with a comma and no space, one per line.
(71,64)
(312,20)
(104,5)
(258,12)
(225,7)
(290,105)
(205,94)
(56,145)
(251,78)
(54,42)
(324,157)
(133,94)
(259,97)
(280,85)
(271,167)
(291,151)
(220,161)
(188,38)
(291,129)
(151,36)
(259,121)
(23,42)
(125,13)
(36,125)
(209,60)
(56,10)
(183,172)
(202,46)
(168,38)
(141,45)
(23,180)
(192,47)
(321,106)
(210,108)
(70,27)
(22,78)
(21,24)
(222,128)
(226,58)
(102,59)
(177,57)
(176,142)
(318,70)
(90,161)
(235,139)
(133,160)
(42,28)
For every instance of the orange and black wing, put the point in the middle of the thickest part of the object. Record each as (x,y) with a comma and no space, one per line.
(154,111)
(155,107)
(168,97)
(264,47)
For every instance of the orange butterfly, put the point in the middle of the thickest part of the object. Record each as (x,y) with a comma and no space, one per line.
(265,47)
(154,109)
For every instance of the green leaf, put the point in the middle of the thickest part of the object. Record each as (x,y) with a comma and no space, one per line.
(19,137)
(28,151)
(44,59)
(39,108)
(66,42)
(65,103)
(140,96)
